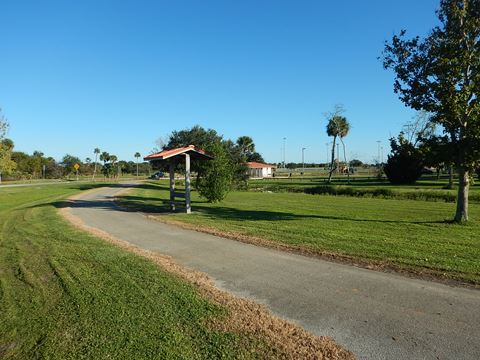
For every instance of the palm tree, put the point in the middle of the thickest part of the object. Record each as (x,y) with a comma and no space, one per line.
(88,162)
(113,161)
(137,156)
(105,157)
(246,145)
(337,126)
(96,151)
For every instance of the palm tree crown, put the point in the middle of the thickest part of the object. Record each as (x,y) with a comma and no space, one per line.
(338,126)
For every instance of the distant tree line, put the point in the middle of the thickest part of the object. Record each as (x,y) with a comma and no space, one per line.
(23,166)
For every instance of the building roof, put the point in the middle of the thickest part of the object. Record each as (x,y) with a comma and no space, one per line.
(168,154)
(257,165)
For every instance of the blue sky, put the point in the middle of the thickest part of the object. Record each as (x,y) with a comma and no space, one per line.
(75,75)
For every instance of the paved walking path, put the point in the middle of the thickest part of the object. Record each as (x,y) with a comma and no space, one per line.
(374,314)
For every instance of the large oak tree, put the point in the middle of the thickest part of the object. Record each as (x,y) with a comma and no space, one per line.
(441,74)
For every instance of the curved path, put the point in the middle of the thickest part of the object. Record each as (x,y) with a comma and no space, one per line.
(373,314)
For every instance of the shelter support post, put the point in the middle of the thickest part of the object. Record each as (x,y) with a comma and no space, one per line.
(187,184)
(172,184)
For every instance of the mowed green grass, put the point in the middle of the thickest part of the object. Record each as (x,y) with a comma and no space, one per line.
(409,234)
(68,295)
(427,188)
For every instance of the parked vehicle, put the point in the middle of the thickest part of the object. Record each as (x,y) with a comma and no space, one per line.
(157,175)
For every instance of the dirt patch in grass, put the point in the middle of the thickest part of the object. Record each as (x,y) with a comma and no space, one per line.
(289,341)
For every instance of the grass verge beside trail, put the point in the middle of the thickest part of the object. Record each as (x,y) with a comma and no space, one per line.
(65,294)
(403,235)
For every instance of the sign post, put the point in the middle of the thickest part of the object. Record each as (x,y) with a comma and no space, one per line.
(76,167)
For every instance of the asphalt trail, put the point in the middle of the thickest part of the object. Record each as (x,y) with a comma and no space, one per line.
(375,315)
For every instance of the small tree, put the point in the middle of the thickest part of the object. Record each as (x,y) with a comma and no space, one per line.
(214,179)
(6,147)
(405,164)
(7,165)
(137,156)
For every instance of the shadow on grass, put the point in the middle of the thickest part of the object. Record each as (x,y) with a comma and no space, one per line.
(154,205)
(227,213)
(146,186)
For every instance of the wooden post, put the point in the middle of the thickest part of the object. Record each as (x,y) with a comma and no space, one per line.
(187,183)
(172,185)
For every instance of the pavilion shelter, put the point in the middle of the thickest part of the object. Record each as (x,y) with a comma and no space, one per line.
(173,157)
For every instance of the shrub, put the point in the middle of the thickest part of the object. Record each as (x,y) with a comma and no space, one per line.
(405,164)
(214,179)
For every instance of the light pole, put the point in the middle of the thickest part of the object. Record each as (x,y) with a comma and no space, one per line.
(381,154)
(378,156)
(326,145)
(303,162)
(284,163)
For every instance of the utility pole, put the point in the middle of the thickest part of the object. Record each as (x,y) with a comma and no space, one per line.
(284,146)
(303,162)
(378,156)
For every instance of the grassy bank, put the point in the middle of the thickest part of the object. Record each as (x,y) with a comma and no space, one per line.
(409,235)
(67,295)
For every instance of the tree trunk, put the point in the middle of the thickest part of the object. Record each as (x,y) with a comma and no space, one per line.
(94,168)
(462,198)
(450,177)
(332,168)
(346,163)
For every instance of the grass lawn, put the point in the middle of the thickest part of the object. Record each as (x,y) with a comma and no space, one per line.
(406,234)
(67,295)
(427,188)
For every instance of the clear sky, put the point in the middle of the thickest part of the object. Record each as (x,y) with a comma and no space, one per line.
(75,75)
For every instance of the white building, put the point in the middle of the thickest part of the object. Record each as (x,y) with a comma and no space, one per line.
(260,170)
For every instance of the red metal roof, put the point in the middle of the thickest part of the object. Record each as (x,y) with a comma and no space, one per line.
(257,165)
(190,149)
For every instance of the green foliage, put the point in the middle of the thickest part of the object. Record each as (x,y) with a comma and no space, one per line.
(238,164)
(214,179)
(197,136)
(405,163)
(356,163)
(238,153)
(7,165)
(255,157)
(108,170)
(338,126)
(247,149)
(441,75)
(68,162)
